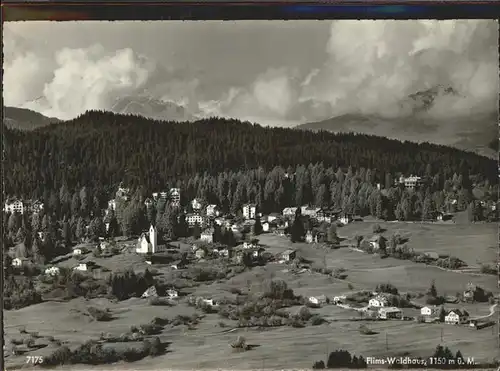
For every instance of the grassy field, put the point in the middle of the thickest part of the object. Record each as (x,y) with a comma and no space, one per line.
(473,243)
(207,345)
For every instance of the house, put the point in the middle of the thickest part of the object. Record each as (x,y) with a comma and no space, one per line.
(148,243)
(200,253)
(112,204)
(196,204)
(210,302)
(194,218)
(249,211)
(272,217)
(309,237)
(410,182)
(378,301)
(265,227)
(346,219)
(339,299)
(19,262)
(289,211)
(256,252)
(37,206)
(390,313)
(175,196)
(456,317)
(289,255)
(172,294)
(150,292)
(429,311)
(78,251)
(15,206)
(377,242)
(81,267)
(177,264)
(207,235)
(324,216)
(468,294)
(212,210)
(311,212)
(52,271)
(317,300)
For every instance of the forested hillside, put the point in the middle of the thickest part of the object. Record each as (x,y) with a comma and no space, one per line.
(100,149)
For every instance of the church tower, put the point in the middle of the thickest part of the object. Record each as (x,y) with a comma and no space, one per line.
(153,238)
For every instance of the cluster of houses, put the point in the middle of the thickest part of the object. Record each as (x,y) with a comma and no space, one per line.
(21,207)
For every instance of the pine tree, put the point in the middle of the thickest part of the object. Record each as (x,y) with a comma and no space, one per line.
(297,229)
(257,227)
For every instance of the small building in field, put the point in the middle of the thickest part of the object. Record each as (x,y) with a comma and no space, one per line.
(194,218)
(20,262)
(390,313)
(289,255)
(172,294)
(200,253)
(82,267)
(309,237)
(150,292)
(378,301)
(429,311)
(318,300)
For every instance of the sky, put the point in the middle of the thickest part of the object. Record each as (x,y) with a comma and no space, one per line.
(273,72)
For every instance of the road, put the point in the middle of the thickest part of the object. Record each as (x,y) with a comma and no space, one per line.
(492,312)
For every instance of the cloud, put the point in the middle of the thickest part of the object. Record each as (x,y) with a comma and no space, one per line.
(371,68)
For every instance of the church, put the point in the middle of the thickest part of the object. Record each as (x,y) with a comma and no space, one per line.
(148,242)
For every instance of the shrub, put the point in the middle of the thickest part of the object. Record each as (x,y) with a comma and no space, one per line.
(318,365)
(100,314)
(16,341)
(304,314)
(29,342)
(157,301)
(317,320)
(377,228)
(60,356)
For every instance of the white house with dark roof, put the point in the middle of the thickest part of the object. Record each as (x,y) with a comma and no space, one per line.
(456,317)
(378,301)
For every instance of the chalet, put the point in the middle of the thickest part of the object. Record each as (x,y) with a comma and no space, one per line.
(339,299)
(378,301)
(77,251)
(172,294)
(443,217)
(175,196)
(346,219)
(377,242)
(15,206)
(83,267)
(210,302)
(148,243)
(200,253)
(390,313)
(318,300)
(122,191)
(324,216)
(429,311)
(212,210)
(289,211)
(311,212)
(194,218)
(456,317)
(207,235)
(52,271)
(265,227)
(289,255)
(150,292)
(468,294)
(432,255)
(196,204)
(249,211)
(256,252)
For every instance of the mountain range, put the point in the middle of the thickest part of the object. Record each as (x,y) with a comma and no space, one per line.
(475,133)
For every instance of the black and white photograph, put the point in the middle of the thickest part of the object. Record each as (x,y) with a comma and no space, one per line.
(246,195)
